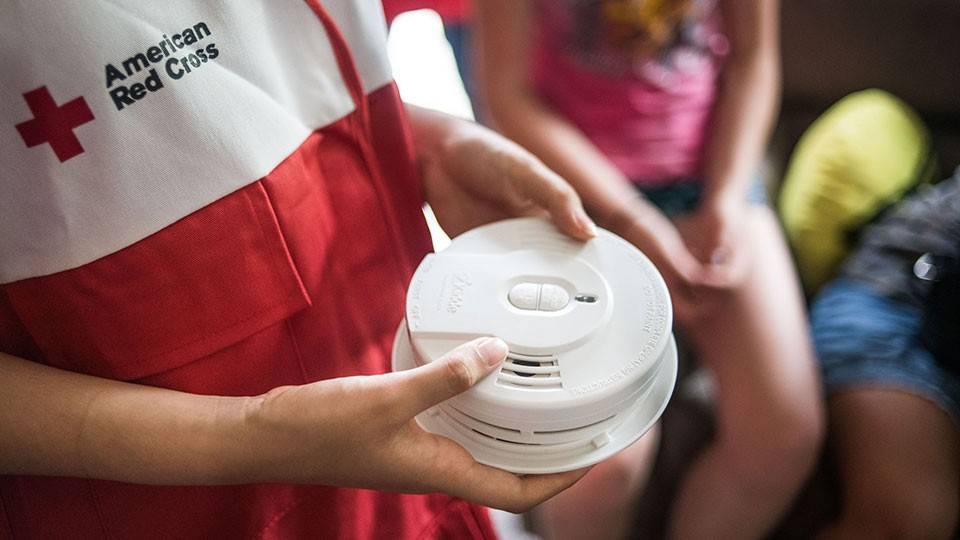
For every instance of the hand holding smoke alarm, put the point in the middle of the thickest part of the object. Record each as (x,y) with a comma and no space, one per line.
(591,361)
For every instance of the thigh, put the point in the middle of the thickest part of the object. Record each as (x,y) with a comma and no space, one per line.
(897,452)
(758,343)
(601,504)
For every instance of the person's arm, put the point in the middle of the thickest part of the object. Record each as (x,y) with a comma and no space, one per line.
(748,98)
(502,30)
(55,422)
(352,431)
(742,119)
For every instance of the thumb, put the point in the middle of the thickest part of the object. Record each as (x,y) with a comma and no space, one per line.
(453,373)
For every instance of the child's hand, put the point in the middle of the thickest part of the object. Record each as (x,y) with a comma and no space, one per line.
(716,235)
(473,176)
(360,432)
(687,278)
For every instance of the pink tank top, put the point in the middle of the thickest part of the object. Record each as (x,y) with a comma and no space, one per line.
(648,115)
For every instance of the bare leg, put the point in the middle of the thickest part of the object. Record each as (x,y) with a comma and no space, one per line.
(769,411)
(601,504)
(899,459)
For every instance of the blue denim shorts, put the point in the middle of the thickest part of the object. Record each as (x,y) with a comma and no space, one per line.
(864,339)
(683,196)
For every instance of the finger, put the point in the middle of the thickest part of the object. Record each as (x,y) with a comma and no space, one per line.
(712,281)
(722,276)
(516,494)
(720,255)
(671,255)
(461,476)
(453,373)
(552,193)
(684,268)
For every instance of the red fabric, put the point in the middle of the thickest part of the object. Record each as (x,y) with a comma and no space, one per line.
(451,11)
(163,318)
(295,278)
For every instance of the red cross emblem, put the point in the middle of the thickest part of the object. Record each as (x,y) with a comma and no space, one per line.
(54,124)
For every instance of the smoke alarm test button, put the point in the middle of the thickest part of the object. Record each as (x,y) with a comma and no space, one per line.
(524,295)
(553,298)
(538,296)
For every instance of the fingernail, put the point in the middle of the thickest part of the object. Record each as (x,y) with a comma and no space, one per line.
(585,222)
(494,350)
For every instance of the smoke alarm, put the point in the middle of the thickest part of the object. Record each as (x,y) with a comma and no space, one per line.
(591,363)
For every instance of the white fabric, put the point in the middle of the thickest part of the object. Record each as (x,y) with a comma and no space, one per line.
(218,128)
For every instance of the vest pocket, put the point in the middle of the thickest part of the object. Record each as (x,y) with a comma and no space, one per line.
(195,287)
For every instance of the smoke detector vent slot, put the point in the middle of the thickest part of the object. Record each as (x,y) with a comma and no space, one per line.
(530,372)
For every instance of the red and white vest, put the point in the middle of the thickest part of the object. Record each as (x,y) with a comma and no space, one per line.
(214,197)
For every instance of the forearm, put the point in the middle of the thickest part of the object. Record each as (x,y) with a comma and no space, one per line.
(55,422)
(743,118)
(502,33)
(605,191)
(748,101)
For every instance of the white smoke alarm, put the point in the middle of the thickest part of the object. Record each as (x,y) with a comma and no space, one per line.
(592,361)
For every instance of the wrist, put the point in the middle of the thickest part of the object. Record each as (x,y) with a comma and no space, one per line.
(235,442)
(723,199)
(433,132)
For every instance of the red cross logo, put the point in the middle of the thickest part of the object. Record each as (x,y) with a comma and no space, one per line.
(54,124)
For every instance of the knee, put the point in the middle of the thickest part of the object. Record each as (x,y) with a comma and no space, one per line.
(613,479)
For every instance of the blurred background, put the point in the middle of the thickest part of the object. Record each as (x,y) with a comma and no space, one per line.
(910,49)
(423,64)
(830,50)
